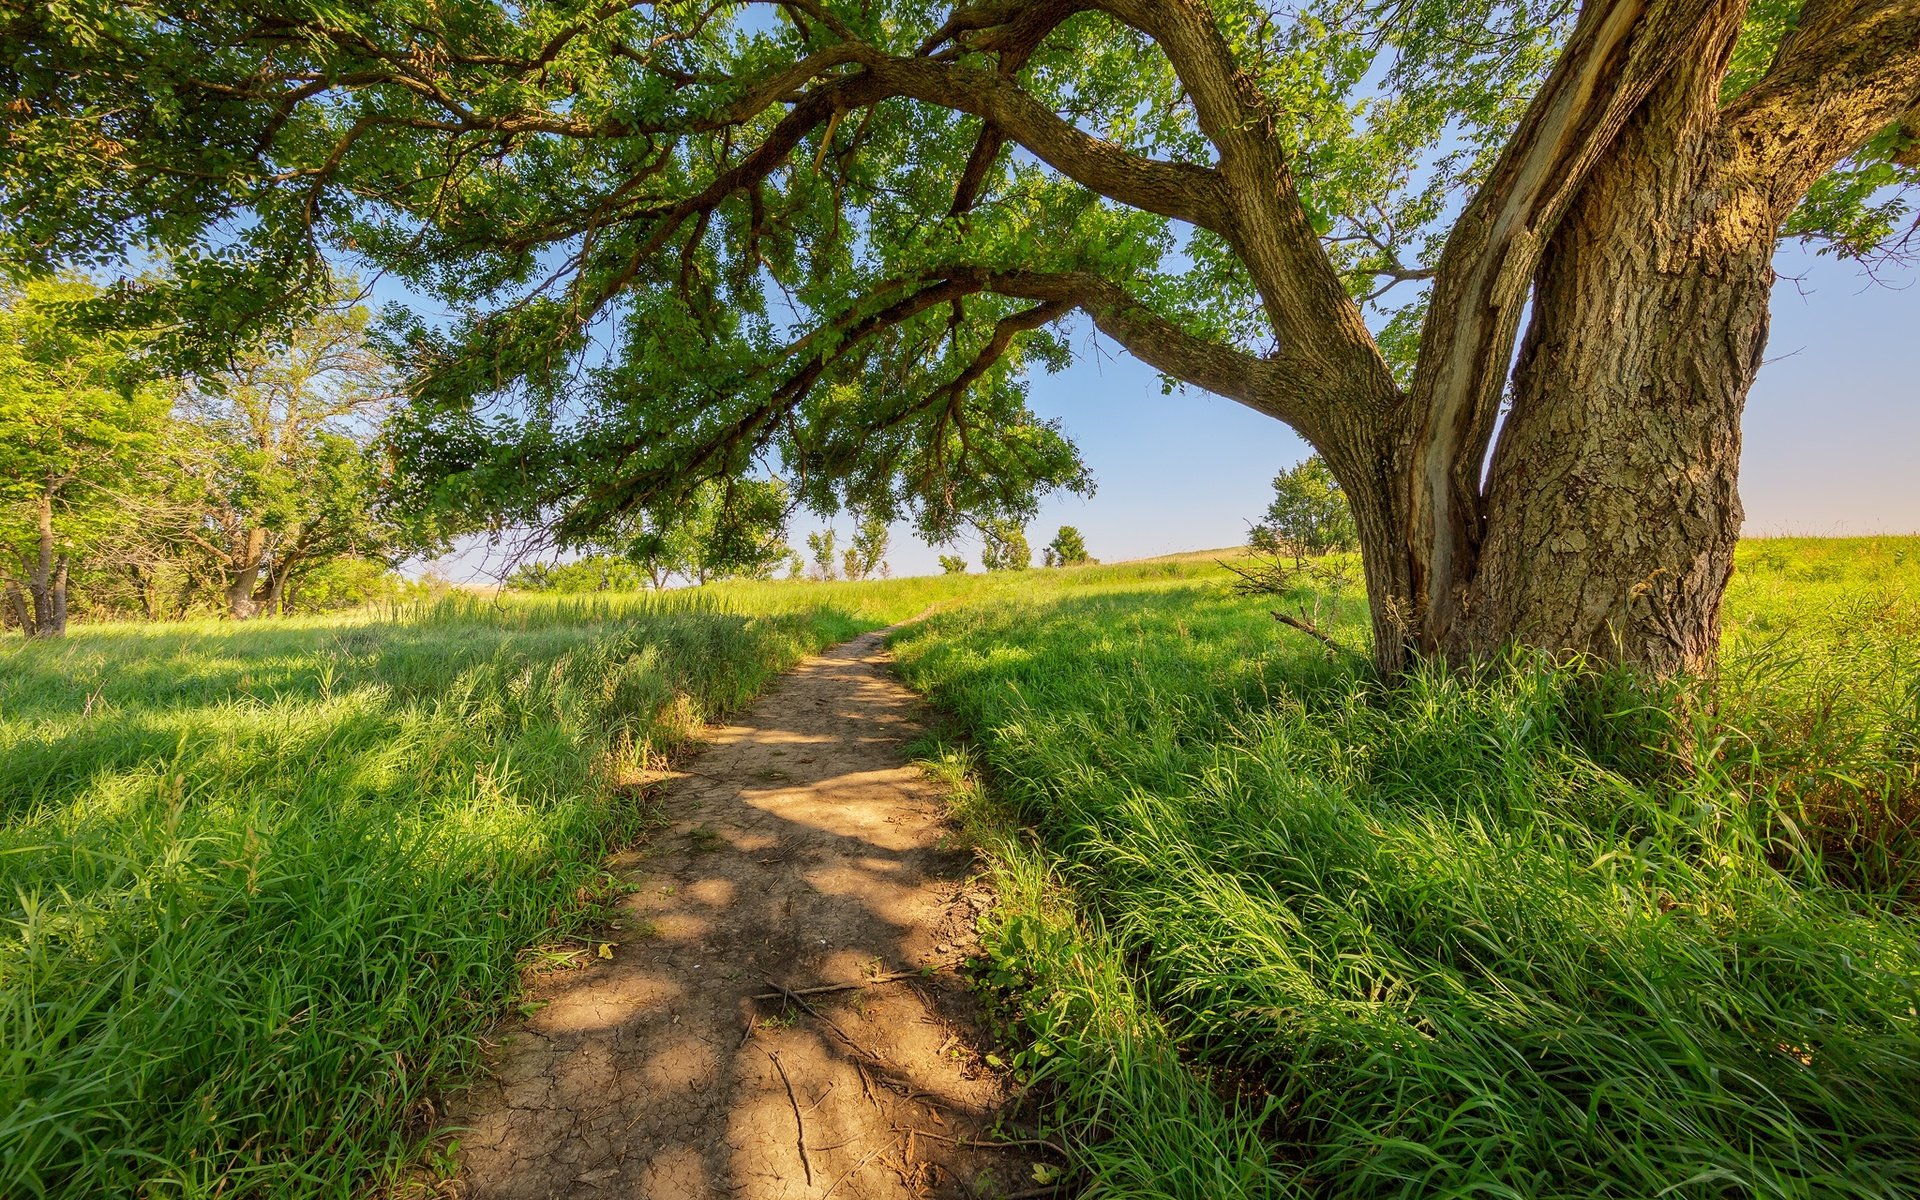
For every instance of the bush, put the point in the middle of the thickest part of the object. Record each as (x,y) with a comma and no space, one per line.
(1309,515)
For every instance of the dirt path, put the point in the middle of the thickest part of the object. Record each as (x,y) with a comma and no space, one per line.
(803,851)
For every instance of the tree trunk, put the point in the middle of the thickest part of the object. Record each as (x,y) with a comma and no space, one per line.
(1612,505)
(57,614)
(245,574)
(1606,520)
(276,599)
(47,577)
(17,605)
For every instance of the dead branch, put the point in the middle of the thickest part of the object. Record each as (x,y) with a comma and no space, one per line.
(1310,629)
(799,1122)
(787,993)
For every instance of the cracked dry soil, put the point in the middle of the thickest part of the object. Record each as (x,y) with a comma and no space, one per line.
(803,850)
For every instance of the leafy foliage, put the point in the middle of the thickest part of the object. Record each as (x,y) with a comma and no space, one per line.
(1067,549)
(1004,547)
(867,554)
(821,546)
(685,244)
(1309,515)
(78,422)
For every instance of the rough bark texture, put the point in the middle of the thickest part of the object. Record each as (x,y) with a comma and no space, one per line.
(17,606)
(1607,517)
(245,574)
(1612,502)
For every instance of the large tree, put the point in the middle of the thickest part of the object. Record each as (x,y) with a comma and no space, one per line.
(77,420)
(287,480)
(679,239)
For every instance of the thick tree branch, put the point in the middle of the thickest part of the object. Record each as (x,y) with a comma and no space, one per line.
(1847,71)
(1182,191)
(1312,315)
(1281,387)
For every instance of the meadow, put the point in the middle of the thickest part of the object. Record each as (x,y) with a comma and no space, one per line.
(1272,929)
(1268,928)
(264,884)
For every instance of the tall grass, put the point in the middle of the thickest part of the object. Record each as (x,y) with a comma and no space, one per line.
(262,885)
(1534,932)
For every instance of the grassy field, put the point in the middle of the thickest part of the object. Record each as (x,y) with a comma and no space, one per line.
(262,884)
(1275,930)
(1268,928)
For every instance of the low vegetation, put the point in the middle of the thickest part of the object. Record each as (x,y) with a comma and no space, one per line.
(1531,932)
(1267,927)
(265,882)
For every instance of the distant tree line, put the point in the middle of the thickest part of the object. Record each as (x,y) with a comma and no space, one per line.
(127,492)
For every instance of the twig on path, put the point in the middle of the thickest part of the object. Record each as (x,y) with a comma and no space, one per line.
(810,1010)
(824,988)
(799,1122)
(1006,1145)
(859,1166)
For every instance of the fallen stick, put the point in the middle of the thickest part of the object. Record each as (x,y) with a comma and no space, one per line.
(816,1014)
(824,988)
(799,1123)
(859,1166)
(1006,1145)
(1310,629)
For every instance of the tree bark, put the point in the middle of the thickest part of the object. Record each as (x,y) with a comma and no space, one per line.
(1612,504)
(47,575)
(17,605)
(245,574)
(57,614)
(1606,519)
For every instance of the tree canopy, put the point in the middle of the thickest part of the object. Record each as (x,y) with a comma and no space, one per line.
(827,239)
(77,415)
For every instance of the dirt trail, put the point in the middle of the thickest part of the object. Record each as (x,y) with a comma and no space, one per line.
(803,851)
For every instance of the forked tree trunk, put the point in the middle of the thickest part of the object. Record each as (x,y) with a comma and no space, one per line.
(244,574)
(1605,520)
(1612,501)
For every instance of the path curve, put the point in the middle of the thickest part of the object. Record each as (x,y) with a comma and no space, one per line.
(803,850)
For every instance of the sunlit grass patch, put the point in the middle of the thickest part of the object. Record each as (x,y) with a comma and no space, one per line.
(262,885)
(1531,932)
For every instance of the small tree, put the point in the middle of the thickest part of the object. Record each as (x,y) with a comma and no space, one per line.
(821,546)
(1309,515)
(287,480)
(1067,549)
(723,529)
(953,564)
(1006,548)
(74,426)
(863,558)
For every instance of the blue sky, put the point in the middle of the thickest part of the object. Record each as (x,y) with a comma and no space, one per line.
(1832,432)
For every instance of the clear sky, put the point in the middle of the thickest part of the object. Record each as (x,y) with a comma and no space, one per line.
(1832,434)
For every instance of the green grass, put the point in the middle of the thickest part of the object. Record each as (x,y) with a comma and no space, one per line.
(1267,928)
(262,885)
(1535,933)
